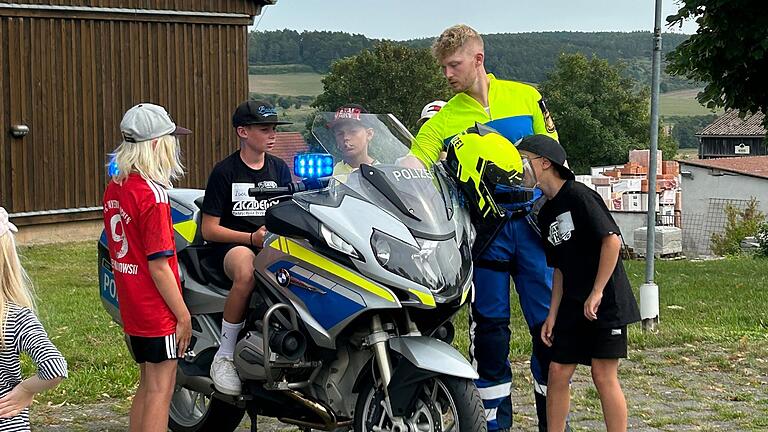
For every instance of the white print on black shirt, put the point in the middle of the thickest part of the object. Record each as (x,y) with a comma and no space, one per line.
(246,205)
(560,230)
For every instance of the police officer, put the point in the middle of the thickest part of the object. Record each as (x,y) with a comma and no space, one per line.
(510,248)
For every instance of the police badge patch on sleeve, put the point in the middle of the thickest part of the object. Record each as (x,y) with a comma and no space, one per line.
(548,122)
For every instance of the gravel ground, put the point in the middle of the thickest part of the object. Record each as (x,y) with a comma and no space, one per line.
(688,388)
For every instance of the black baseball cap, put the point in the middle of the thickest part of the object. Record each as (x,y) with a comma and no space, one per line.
(253,112)
(549,148)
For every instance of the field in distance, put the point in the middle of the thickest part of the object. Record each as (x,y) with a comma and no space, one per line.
(290,84)
(683,103)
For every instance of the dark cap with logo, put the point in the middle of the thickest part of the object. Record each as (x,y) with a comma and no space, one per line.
(349,113)
(549,148)
(255,113)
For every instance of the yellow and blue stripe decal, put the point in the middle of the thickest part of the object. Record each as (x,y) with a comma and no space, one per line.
(186,229)
(327,306)
(177,216)
(183,224)
(294,249)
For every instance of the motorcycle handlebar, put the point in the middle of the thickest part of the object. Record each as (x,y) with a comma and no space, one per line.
(291,188)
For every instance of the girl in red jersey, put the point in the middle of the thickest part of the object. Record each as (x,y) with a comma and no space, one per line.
(137,220)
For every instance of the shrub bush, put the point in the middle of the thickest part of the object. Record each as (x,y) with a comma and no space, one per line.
(739,224)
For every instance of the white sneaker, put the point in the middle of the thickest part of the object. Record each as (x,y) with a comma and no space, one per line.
(224,376)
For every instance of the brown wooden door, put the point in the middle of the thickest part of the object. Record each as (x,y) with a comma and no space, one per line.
(69,79)
(50,88)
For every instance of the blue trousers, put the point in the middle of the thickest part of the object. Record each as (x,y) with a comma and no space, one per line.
(516,252)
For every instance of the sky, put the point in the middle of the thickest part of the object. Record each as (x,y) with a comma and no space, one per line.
(409,19)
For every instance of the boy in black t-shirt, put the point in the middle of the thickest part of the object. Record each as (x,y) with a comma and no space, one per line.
(592,301)
(233,221)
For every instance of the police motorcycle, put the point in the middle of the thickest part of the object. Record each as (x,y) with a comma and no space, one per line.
(349,325)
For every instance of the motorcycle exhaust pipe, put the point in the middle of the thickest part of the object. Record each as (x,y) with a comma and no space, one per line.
(328,420)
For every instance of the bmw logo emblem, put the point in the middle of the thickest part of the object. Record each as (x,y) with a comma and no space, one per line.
(283,277)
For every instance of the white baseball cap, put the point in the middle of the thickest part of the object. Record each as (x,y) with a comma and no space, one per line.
(5,224)
(431,109)
(147,121)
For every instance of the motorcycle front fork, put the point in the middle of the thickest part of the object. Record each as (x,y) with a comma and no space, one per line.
(377,340)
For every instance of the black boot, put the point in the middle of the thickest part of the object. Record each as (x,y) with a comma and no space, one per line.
(541,410)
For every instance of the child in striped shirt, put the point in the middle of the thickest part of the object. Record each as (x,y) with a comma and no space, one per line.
(20,330)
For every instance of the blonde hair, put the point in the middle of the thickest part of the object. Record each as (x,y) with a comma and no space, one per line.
(15,285)
(454,38)
(158,160)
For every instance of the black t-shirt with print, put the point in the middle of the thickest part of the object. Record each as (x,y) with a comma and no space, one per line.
(226,195)
(573,225)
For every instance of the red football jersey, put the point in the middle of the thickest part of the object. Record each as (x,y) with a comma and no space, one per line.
(137,219)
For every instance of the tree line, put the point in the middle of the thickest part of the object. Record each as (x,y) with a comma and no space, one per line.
(528,57)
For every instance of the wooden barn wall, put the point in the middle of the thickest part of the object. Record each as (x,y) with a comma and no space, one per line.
(71,80)
(247,7)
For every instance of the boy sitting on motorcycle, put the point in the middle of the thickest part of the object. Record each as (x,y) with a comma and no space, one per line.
(352,137)
(233,221)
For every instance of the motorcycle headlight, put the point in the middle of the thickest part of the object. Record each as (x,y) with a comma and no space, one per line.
(383,250)
(335,242)
(436,265)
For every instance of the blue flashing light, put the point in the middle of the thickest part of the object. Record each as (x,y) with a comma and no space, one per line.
(313,165)
(112,169)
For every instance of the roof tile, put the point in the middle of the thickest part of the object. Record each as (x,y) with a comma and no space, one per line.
(287,145)
(731,124)
(756,166)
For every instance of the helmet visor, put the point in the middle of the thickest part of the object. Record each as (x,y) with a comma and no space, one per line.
(529,174)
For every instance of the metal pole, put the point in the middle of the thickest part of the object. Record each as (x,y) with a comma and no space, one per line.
(649,291)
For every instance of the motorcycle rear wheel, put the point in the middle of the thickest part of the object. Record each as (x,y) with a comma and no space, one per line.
(191,411)
(444,404)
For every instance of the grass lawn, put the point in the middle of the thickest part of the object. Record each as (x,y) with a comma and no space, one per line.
(290,84)
(67,287)
(682,103)
(703,304)
(706,301)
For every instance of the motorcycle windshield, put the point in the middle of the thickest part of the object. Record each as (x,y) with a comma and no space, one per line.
(380,143)
(372,162)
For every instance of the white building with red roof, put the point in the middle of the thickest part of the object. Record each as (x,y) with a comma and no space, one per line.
(709,186)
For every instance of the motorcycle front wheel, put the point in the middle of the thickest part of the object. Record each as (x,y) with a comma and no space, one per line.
(191,411)
(443,404)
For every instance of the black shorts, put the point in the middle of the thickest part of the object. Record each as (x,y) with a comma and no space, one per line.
(153,349)
(581,343)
